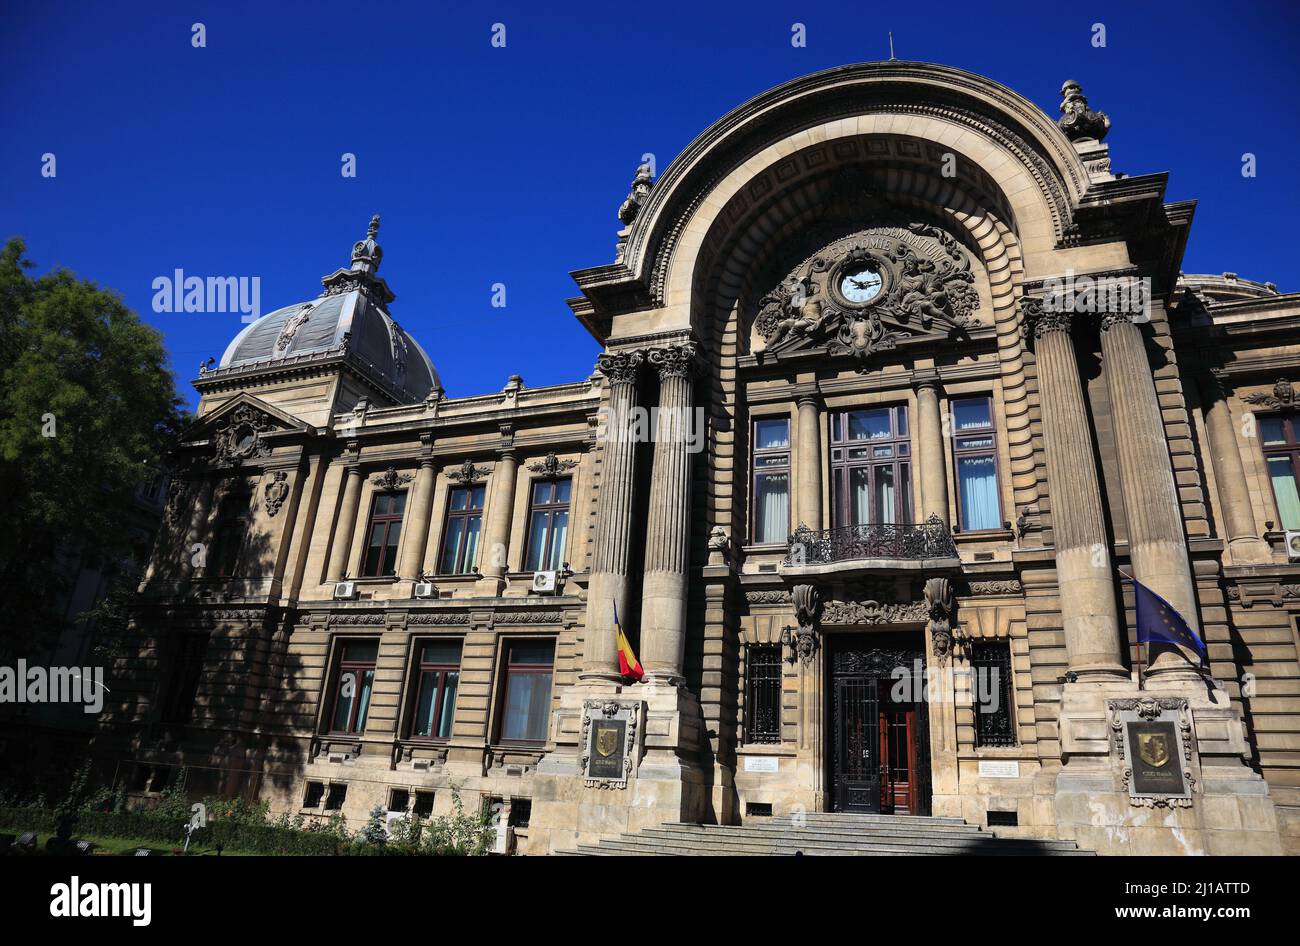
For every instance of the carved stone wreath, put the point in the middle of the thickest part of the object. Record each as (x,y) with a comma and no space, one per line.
(926,278)
(276,492)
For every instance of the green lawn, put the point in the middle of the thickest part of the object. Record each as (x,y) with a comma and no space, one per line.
(128,846)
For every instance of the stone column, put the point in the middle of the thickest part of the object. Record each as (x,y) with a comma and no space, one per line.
(667,548)
(1244,541)
(496,536)
(1084,573)
(612,542)
(931,465)
(1157,543)
(809,509)
(197,532)
(338,561)
(417,516)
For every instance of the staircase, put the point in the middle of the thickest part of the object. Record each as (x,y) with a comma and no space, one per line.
(825,834)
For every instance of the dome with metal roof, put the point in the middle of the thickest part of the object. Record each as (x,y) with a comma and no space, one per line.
(350,321)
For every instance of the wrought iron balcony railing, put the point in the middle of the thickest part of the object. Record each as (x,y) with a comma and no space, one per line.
(908,541)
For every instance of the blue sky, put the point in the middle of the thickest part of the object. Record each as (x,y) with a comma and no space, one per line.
(508,165)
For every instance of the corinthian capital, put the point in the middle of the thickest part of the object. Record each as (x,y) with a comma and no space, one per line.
(1037,320)
(1115,317)
(620,367)
(676,361)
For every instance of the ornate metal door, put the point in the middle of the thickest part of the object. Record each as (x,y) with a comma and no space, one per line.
(880,746)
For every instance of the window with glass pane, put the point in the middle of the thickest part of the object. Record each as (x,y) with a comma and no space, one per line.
(1281,437)
(461,534)
(526,695)
(383,531)
(771,480)
(763,693)
(871,467)
(354,679)
(993,693)
(548,524)
(229,536)
(975,453)
(437,679)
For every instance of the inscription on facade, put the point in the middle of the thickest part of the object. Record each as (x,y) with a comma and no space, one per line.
(1155,759)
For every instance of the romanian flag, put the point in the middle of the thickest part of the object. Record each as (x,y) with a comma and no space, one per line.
(628,665)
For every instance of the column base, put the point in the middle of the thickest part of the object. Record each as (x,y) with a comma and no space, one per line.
(1229,810)
(665,783)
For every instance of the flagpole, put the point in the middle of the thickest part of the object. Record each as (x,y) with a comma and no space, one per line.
(1123,574)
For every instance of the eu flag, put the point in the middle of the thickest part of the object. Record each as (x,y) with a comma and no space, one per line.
(1158,621)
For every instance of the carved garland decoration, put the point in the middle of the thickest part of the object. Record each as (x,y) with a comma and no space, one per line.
(390,479)
(1283,396)
(467,474)
(552,465)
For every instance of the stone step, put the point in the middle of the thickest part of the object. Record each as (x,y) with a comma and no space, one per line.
(630,845)
(713,836)
(851,831)
(838,817)
(771,836)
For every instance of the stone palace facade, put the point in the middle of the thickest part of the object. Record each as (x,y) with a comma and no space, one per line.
(900,378)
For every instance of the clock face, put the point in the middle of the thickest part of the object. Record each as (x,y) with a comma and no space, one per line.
(860,284)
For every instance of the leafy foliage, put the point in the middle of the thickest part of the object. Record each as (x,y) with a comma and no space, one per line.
(87,409)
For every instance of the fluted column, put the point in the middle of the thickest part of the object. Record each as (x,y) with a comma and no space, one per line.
(1157,542)
(347,521)
(1244,542)
(809,509)
(1083,565)
(612,542)
(667,547)
(931,464)
(417,517)
(496,537)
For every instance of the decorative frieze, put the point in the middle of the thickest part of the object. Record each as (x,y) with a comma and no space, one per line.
(552,466)
(467,474)
(425,618)
(1283,396)
(390,479)
(999,586)
(875,612)
(768,596)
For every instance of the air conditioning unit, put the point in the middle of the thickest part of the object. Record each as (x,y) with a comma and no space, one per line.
(390,818)
(504,842)
(424,589)
(345,589)
(1293,545)
(545,582)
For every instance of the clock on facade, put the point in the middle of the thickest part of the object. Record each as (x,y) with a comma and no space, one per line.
(860,284)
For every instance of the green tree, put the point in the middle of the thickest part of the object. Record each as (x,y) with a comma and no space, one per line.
(87,411)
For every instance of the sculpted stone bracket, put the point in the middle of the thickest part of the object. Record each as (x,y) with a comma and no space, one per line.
(1152,743)
(939,603)
(863,293)
(803,641)
(610,742)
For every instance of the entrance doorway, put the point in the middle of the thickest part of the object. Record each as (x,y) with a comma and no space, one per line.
(880,747)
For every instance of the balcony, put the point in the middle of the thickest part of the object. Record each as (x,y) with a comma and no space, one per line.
(926,546)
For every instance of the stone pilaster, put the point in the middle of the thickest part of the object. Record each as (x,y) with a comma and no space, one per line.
(931,464)
(1244,543)
(663,599)
(338,561)
(1083,565)
(417,518)
(809,445)
(1156,540)
(496,537)
(612,540)
(197,531)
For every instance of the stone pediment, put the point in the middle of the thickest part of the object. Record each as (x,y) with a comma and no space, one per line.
(238,430)
(865,292)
